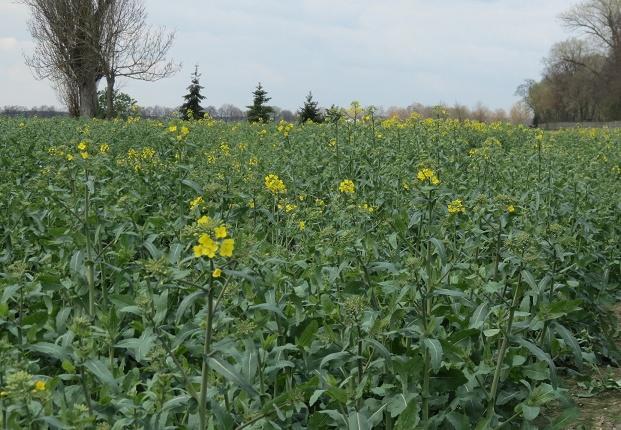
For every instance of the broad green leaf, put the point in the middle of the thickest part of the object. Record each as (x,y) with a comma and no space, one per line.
(435,352)
(186,303)
(537,352)
(479,316)
(334,356)
(358,421)
(226,370)
(100,370)
(307,336)
(570,341)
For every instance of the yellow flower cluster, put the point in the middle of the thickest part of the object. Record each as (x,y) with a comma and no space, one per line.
(274,184)
(208,247)
(289,207)
(347,187)
(181,132)
(365,207)
(198,201)
(284,127)
(83,148)
(139,159)
(427,175)
(456,206)
(104,148)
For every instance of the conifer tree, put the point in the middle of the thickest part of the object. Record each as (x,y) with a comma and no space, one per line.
(310,111)
(191,108)
(259,112)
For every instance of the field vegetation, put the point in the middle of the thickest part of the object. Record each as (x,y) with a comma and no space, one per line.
(360,273)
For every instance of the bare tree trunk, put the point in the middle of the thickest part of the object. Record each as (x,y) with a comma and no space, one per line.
(110,80)
(88,98)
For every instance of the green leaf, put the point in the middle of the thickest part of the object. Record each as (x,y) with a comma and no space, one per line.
(334,356)
(269,307)
(570,341)
(190,183)
(449,293)
(458,421)
(440,250)
(99,369)
(176,402)
(186,303)
(50,349)
(226,370)
(358,421)
(408,419)
(55,423)
(307,336)
(141,346)
(435,351)
(529,412)
(316,395)
(155,253)
(378,347)
(479,316)
(484,424)
(529,279)
(537,352)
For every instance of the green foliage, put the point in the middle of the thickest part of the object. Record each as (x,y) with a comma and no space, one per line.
(123,104)
(191,107)
(352,298)
(310,111)
(259,111)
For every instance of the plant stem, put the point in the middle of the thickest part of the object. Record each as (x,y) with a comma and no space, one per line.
(503,350)
(202,404)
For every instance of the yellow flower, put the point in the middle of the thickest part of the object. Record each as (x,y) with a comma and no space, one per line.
(204,220)
(104,148)
(40,385)
(206,247)
(70,157)
(216,273)
(220,232)
(84,155)
(426,174)
(82,146)
(456,206)
(289,207)
(301,225)
(347,187)
(198,201)
(172,129)
(274,184)
(226,248)
(510,209)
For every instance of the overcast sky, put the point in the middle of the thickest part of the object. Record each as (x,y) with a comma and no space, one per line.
(380,52)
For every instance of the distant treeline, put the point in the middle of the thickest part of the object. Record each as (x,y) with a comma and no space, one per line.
(518,114)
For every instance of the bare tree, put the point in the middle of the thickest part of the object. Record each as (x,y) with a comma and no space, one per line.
(132,49)
(600,19)
(65,32)
(68,94)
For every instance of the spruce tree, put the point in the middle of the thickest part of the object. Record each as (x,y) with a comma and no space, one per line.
(310,111)
(192,108)
(259,112)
